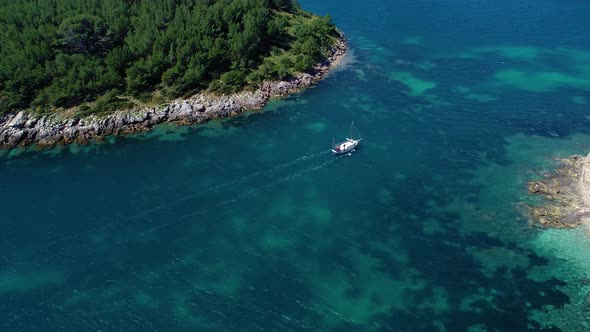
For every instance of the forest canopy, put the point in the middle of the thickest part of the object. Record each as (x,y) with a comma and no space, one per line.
(103,53)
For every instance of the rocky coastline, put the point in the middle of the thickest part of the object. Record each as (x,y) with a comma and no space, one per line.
(565,193)
(25,128)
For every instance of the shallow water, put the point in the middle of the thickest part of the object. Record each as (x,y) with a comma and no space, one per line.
(251,224)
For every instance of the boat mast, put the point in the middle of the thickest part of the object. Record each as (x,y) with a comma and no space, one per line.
(353,133)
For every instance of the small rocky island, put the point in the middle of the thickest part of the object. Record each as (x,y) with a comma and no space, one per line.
(565,193)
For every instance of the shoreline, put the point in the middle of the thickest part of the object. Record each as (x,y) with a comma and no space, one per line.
(565,194)
(26,129)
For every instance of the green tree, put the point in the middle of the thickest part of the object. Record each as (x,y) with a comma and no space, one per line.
(85,34)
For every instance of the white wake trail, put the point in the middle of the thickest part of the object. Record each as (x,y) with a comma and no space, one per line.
(250,176)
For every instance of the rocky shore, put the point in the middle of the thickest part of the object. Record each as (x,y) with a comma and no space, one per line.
(565,193)
(25,128)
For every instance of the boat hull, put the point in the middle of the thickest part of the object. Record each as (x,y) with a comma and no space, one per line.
(345,147)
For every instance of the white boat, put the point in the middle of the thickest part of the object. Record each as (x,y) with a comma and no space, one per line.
(350,144)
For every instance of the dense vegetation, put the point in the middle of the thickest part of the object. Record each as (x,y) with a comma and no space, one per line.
(102,54)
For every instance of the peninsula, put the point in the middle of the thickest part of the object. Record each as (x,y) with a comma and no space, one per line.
(72,74)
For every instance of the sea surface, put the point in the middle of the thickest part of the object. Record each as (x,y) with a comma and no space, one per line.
(251,224)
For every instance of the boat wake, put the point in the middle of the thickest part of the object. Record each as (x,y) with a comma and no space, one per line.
(281,180)
(251,176)
(229,205)
(294,175)
(132,227)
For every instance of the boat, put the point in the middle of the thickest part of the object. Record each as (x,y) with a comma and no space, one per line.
(351,142)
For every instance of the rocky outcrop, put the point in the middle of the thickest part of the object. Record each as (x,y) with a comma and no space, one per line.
(565,194)
(25,128)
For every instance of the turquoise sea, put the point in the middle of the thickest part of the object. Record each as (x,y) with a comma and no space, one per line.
(251,224)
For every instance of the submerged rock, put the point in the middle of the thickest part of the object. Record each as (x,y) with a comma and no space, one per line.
(565,194)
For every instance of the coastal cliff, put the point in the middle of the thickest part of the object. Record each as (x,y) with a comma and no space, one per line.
(26,128)
(565,193)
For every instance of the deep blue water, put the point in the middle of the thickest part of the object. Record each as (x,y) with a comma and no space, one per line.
(250,224)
